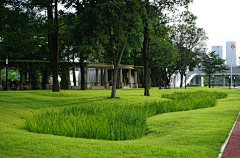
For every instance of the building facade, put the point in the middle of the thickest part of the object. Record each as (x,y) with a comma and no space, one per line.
(218,50)
(231,54)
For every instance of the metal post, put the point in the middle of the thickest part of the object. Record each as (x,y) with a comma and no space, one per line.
(229,81)
(166,83)
(234,82)
(223,81)
(6,73)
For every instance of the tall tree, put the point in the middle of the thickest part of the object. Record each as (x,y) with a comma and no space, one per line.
(211,64)
(164,55)
(51,29)
(189,39)
(53,44)
(85,36)
(120,19)
(19,35)
(146,46)
(160,9)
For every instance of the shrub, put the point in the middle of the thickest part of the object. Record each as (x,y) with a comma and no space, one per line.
(194,85)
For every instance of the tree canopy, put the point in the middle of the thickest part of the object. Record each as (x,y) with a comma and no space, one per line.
(115,32)
(211,64)
(189,39)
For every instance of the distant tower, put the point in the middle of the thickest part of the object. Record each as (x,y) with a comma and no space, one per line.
(218,50)
(231,54)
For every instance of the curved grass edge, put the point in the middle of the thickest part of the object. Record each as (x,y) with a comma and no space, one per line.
(114,122)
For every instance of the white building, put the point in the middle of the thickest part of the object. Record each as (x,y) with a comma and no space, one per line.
(231,54)
(218,50)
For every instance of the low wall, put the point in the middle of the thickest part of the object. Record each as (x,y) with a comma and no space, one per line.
(98,87)
(75,87)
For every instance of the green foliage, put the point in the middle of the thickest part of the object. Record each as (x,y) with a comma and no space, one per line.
(189,39)
(65,77)
(194,85)
(212,63)
(114,122)
(98,122)
(164,55)
(34,78)
(19,34)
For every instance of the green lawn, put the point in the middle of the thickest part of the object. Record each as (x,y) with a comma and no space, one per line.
(195,133)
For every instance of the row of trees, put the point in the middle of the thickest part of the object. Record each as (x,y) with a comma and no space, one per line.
(139,32)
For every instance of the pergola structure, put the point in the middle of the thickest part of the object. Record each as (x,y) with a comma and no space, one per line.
(87,66)
(107,67)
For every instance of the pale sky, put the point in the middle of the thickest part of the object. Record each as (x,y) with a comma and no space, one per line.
(220,19)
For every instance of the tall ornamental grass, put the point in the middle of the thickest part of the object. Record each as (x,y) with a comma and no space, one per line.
(115,122)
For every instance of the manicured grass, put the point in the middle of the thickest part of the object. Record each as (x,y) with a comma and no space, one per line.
(195,133)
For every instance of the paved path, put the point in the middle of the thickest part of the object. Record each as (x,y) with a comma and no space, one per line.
(232,148)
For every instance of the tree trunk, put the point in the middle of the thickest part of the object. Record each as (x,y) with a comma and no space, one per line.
(79,44)
(0,81)
(185,82)
(146,49)
(74,74)
(115,71)
(74,77)
(50,19)
(22,79)
(181,82)
(117,57)
(114,86)
(45,79)
(209,81)
(118,80)
(146,58)
(55,52)
(53,46)
(83,86)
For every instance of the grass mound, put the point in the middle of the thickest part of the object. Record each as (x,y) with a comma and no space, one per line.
(116,122)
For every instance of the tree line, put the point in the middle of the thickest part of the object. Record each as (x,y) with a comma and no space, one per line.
(152,34)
